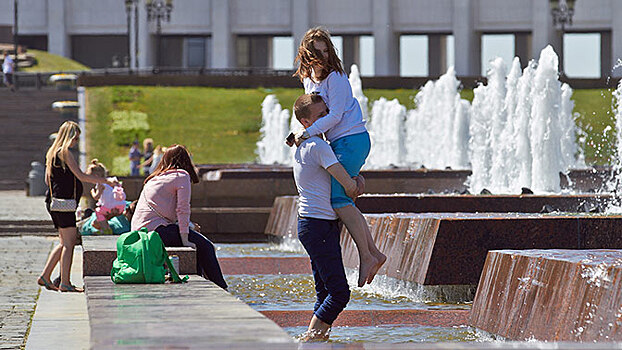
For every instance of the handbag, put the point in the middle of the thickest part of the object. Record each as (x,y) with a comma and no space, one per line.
(64,204)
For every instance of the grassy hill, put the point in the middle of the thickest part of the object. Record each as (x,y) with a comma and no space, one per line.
(222,125)
(47,62)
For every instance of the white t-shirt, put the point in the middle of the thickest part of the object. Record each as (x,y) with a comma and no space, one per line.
(7,65)
(311,159)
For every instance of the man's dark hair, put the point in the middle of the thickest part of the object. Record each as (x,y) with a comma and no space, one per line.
(302,104)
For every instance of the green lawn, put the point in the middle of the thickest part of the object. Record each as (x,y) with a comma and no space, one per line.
(47,62)
(222,125)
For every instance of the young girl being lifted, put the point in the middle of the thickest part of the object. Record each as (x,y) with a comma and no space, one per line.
(321,72)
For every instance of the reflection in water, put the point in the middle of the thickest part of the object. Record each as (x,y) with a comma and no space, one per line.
(296,292)
(401,334)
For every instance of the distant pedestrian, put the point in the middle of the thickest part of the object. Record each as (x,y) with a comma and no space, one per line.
(64,179)
(135,156)
(8,67)
(152,162)
(147,153)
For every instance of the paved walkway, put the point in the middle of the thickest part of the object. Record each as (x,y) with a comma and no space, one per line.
(15,205)
(61,320)
(21,261)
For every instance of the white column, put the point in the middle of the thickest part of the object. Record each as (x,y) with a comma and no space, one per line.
(616,37)
(543,32)
(222,40)
(301,21)
(132,40)
(386,41)
(467,41)
(58,41)
(145,44)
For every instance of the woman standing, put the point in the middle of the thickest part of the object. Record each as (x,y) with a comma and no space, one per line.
(164,207)
(64,179)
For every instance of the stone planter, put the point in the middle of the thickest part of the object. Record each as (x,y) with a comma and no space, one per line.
(67,109)
(64,81)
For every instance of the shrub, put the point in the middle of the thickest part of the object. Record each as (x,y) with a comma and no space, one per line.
(120,166)
(128,126)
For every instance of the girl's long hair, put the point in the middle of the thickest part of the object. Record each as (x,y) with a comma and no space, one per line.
(175,157)
(65,135)
(308,56)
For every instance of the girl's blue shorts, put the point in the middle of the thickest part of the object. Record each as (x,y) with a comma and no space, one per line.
(351,152)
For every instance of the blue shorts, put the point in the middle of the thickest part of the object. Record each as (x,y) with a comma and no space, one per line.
(351,152)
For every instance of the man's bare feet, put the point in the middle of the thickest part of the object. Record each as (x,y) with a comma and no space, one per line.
(381,259)
(366,266)
(313,336)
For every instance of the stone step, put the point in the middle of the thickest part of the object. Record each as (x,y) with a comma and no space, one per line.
(374,318)
(189,315)
(551,295)
(100,251)
(26,227)
(229,225)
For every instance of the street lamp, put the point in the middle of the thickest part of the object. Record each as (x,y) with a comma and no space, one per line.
(159,10)
(129,7)
(562,12)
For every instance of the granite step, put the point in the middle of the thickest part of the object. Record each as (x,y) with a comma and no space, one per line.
(232,224)
(27,227)
(551,295)
(197,314)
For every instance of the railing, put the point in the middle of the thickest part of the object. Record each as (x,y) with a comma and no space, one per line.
(42,79)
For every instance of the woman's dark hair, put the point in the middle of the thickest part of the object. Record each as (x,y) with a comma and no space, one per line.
(176,157)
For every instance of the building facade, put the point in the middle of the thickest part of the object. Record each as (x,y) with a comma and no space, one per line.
(238,33)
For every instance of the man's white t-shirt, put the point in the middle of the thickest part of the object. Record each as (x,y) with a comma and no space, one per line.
(311,160)
(7,65)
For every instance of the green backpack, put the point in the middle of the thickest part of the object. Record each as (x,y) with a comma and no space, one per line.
(140,259)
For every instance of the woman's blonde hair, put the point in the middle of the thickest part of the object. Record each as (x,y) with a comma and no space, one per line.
(67,132)
(308,56)
(96,168)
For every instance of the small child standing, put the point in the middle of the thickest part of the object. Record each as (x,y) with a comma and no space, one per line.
(108,198)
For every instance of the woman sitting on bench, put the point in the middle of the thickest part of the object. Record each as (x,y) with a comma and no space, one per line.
(164,206)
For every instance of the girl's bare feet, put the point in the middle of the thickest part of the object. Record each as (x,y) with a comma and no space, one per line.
(381,259)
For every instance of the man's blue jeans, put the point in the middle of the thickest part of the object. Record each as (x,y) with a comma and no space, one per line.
(207,264)
(321,241)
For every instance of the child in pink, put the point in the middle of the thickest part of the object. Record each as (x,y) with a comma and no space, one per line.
(108,198)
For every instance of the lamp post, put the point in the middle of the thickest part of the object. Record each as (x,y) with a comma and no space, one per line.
(129,7)
(15,35)
(562,12)
(159,10)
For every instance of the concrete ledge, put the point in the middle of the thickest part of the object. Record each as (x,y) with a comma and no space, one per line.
(100,252)
(265,265)
(197,314)
(372,318)
(551,295)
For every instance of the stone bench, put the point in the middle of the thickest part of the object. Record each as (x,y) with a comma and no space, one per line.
(551,295)
(100,251)
(197,314)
